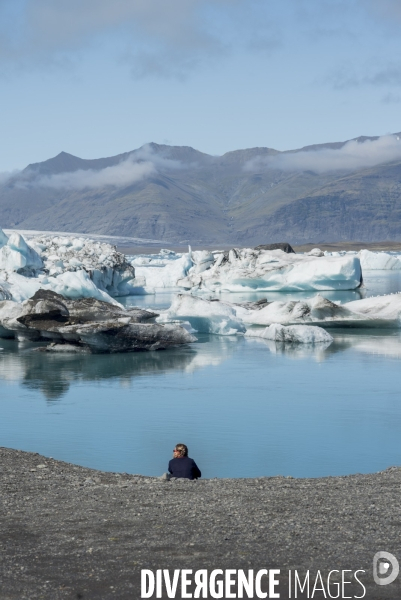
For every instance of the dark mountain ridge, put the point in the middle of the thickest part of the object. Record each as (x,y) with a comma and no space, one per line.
(179,194)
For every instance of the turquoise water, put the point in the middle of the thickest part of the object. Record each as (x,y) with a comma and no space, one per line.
(244,407)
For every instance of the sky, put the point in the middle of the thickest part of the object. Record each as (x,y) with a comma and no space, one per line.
(97,78)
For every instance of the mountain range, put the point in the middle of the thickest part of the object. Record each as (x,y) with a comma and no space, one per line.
(180,195)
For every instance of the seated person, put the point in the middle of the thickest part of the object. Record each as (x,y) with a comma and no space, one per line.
(181,465)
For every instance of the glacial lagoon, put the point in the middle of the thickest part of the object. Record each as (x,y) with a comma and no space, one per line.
(245,407)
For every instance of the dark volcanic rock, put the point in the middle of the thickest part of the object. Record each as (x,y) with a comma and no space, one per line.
(279,246)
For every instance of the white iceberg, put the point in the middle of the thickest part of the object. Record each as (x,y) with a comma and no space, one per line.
(248,269)
(379,260)
(71,285)
(294,334)
(16,255)
(384,309)
(108,269)
(163,276)
(315,252)
(73,267)
(379,311)
(205,316)
(76,284)
(161,259)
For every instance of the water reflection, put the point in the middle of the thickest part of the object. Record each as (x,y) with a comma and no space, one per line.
(123,412)
(52,374)
(380,342)
(318,352)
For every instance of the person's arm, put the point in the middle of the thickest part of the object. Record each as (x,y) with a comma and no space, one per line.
(196,471)
(169,468)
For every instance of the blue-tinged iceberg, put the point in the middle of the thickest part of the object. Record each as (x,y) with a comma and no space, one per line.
(250,269)
(73,267)
(205,316)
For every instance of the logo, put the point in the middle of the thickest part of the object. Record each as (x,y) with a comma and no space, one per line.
(385,568)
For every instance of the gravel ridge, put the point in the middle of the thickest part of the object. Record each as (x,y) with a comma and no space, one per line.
(73,532)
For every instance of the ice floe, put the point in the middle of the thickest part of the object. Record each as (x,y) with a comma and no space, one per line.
(295,334)
(379,311)
(205,316)
(225,318)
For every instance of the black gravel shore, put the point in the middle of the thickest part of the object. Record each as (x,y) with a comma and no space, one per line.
(71,532)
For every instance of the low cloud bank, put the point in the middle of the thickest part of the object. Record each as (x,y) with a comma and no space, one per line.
(352,156)
(121,175)
(5,176)
(138,166)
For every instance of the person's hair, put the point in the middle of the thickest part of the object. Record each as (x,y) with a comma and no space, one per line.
(182,449)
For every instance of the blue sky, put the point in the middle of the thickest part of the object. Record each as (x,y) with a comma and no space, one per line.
(97,78)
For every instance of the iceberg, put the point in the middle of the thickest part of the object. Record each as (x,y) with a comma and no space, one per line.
(3,238)
(225,318)
(379,311)
(86,325)
(70,285)
(295,334)
(249,269)
(315,252)
(379,260)
(17,256)
(205,316)
(73,267)
(108,269)
(384,309)
(165,276)
(76,284)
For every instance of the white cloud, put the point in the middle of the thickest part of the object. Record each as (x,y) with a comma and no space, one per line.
(138,166)
(121,175)
(7,175)
(154,36)
(352,156)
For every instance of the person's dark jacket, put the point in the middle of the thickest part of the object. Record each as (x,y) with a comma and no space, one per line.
(184,467)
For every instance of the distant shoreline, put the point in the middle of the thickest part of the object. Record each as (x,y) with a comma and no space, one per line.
(132,245)
(325,246)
